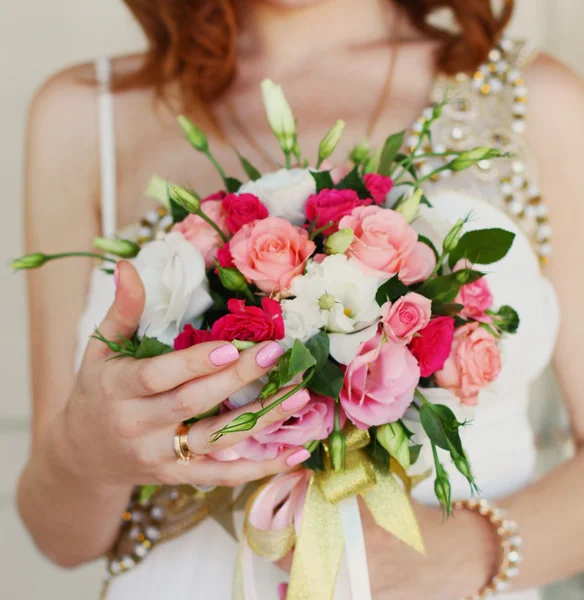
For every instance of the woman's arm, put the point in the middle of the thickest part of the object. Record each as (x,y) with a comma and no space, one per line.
(463,552)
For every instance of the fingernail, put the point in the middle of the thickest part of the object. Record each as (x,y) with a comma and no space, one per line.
(296,402)
(224,355)
(282,591)
(116,275)
(269,355)
(298,457)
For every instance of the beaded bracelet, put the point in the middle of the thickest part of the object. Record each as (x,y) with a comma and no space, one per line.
(510,540)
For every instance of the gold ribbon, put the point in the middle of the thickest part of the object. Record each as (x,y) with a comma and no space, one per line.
(318,548)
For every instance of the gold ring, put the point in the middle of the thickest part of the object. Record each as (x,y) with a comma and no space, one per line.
(183,452)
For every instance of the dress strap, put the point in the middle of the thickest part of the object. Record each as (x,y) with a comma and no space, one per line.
(107,147)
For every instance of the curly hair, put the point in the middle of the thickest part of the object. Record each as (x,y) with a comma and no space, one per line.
(194,42)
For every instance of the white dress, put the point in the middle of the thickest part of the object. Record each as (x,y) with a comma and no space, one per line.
(199,564)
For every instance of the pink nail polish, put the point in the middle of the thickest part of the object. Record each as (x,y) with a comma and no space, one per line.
(267,356)
(224,355)
(116,275)
(282,591)
(298,457)
(296,402)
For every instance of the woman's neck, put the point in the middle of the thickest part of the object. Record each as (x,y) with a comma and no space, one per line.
(286,36)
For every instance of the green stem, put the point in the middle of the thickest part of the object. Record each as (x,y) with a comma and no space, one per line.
(214,162)
(319,162)
(285,397)
(86,254)
(421,397)
(249,295)
(214,225)
(438,266)
(288,160)
(315,232)
(435,172)
(337,417)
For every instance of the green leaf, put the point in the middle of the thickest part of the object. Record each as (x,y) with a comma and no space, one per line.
(300,358)
(323,180)
(428,242)
(391,290)
(441,426)
(446,288)
(328,380)
(151,347)
(319,347)
(316,460)
(249,169)
(390,151)
(177,212)
(232,184)
(482,247)
(354,181)
(508,320)
(415,452)
(442,309)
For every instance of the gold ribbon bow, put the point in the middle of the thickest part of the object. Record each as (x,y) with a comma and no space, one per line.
(318,547)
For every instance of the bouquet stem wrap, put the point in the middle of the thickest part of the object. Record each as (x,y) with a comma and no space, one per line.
(314,514)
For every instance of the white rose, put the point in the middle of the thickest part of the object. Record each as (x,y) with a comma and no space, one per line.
(302,321)
(284,193)
(177,292)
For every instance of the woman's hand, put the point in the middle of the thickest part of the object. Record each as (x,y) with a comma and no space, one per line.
(461,556)
(119,424)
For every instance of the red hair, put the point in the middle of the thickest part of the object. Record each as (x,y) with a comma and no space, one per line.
(194,42)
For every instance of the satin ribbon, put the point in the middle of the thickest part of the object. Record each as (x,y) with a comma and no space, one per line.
(315,513)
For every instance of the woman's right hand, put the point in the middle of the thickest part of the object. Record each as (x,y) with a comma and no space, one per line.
(119,424)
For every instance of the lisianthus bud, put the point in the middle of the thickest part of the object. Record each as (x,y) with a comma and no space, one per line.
(453,236)
(243,345)
(158,190)
(232,279)
(472,157)
(463,467)
(330,140)
(279,114)
(443,492)
(360,152)
(185,198)
(394,439)
(327,302)
(269,390)
(117,247)
(338,450)
(30,261)
(409,207)
(245,422)
(194,135)
(373,161)
(339,242)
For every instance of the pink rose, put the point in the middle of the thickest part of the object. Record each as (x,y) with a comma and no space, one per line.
(271,252)
(243,209)
(383,240)
(379,186)
(405,317)
(476,297)
(418,265)
(473,364)
(315,421)
(201,235)
(433,344)
(332,205)
(379,383)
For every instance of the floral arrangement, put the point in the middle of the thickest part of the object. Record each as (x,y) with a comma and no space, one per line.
(373,297)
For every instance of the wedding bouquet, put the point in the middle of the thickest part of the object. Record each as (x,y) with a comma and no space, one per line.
(372,295)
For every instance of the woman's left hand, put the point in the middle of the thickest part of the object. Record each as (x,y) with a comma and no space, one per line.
(461,556)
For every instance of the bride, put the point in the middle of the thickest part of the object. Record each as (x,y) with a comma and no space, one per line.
(377,64)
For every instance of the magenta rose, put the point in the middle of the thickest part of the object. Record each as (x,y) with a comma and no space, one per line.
(383,240)
(243,209)
(271,252)
(250,323)
(476,297)
(419,265)
(332,205)
(432,345)
(201,235)
(378,186)
(379,384)
(216,196)
(405,317)
(190,336)
(224,257)
(473,364)
(315,421)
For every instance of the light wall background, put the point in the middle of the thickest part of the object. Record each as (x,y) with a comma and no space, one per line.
(36,40)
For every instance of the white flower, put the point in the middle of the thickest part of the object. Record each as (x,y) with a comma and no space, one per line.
(279,114)
(284,193)
(177,292)
(302,321)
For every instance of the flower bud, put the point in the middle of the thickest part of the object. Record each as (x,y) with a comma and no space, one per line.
(453,236)
(472,157)
(185,199)
(158,190)
(409,207)
(394,439)
(339,242)
(360,152)
(245,422)
(443,492)
(279,115)
(373,161)
(463,467)
(194,135)
(243,345)
(330,140)
(338,450)
(232,279)
(327,302)
(269,390)
(117,247)
(30,261)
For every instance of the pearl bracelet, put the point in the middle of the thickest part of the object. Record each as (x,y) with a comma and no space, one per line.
(510,540)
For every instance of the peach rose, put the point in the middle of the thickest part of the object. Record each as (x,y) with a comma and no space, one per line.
(271,252)
(419,264)
(383,240)
(405,317)
(473,364)
(201,235)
